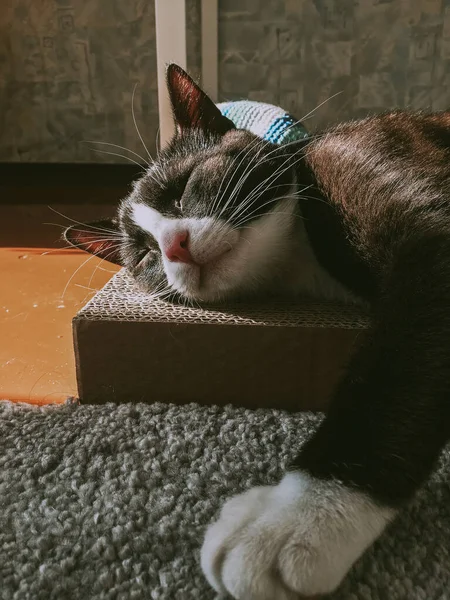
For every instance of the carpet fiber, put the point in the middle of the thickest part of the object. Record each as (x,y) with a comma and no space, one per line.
(111,502)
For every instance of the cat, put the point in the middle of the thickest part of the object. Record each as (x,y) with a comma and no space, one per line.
(360,211)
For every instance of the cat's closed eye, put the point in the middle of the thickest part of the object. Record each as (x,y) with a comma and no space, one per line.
(146,256)
(143,250)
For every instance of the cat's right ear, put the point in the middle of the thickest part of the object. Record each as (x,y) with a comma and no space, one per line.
(102,238)
(192,108)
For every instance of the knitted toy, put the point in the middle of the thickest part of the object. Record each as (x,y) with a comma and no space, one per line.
(269,122)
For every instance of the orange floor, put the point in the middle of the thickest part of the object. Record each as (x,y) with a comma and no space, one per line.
(42,287)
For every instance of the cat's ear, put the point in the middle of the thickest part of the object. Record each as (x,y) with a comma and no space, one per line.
(102,238)
(192,108)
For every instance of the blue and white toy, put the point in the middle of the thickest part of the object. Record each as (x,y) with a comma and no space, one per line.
(268,122)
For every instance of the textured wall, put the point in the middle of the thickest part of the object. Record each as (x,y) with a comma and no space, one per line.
(376,54)
(67,73)
(67,69)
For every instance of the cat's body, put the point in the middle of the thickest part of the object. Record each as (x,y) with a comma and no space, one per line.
(361,211)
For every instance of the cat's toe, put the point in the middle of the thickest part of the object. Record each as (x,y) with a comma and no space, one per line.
(297,539)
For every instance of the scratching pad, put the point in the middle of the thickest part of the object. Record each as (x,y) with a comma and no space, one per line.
(130,346)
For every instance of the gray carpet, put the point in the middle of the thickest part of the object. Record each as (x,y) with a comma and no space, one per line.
(112,502)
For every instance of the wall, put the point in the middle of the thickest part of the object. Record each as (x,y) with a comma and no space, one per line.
(68,69)
(67,74)
(375,54)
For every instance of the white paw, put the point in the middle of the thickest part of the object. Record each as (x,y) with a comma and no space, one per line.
(284,542)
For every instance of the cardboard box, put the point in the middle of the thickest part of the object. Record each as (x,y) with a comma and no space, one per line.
(129,347)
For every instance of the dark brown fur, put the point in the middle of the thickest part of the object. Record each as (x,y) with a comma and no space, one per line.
(384,186)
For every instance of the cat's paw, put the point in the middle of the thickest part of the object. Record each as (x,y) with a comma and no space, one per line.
(289,541)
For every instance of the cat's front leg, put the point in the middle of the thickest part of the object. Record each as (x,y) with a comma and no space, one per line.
(296,539)
(387,423)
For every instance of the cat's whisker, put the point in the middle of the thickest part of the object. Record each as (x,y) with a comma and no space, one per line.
(163,294)
(276,174)
(291,195)
(218,196)
(145,162)
(117,241)
(298,194)
(245,173)
(257,145)
(102,259)
(100,268)
(278,147)
(85,287)
(57,225)
(71,247)
(161,288)
(185,301)
(248,216)
(281,147)
(94,255)
(154,176)
(311,112)
(160,295)
(158,141)
(247,202)
(162,174)
(196,302)
(119,155)
(241,224)
(247,227)
(314,198)
(79,222)
(243,208)
(74,273)
(118,234)
(82,244)
(135,123)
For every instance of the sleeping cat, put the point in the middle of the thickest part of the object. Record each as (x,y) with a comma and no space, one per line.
(360,211)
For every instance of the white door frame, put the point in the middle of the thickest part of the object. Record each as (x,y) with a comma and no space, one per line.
(210,48)
(170,21)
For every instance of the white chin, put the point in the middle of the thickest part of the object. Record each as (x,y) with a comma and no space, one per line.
(202,285)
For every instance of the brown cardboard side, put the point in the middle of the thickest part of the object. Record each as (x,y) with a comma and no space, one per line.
(282,367)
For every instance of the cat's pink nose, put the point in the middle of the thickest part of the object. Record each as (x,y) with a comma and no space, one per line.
(177,249)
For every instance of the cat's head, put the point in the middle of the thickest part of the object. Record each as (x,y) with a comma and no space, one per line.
(214,215)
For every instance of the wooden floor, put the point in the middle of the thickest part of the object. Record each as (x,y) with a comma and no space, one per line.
(43,286)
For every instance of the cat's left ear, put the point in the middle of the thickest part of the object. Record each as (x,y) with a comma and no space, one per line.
(102,238)
(192,108)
